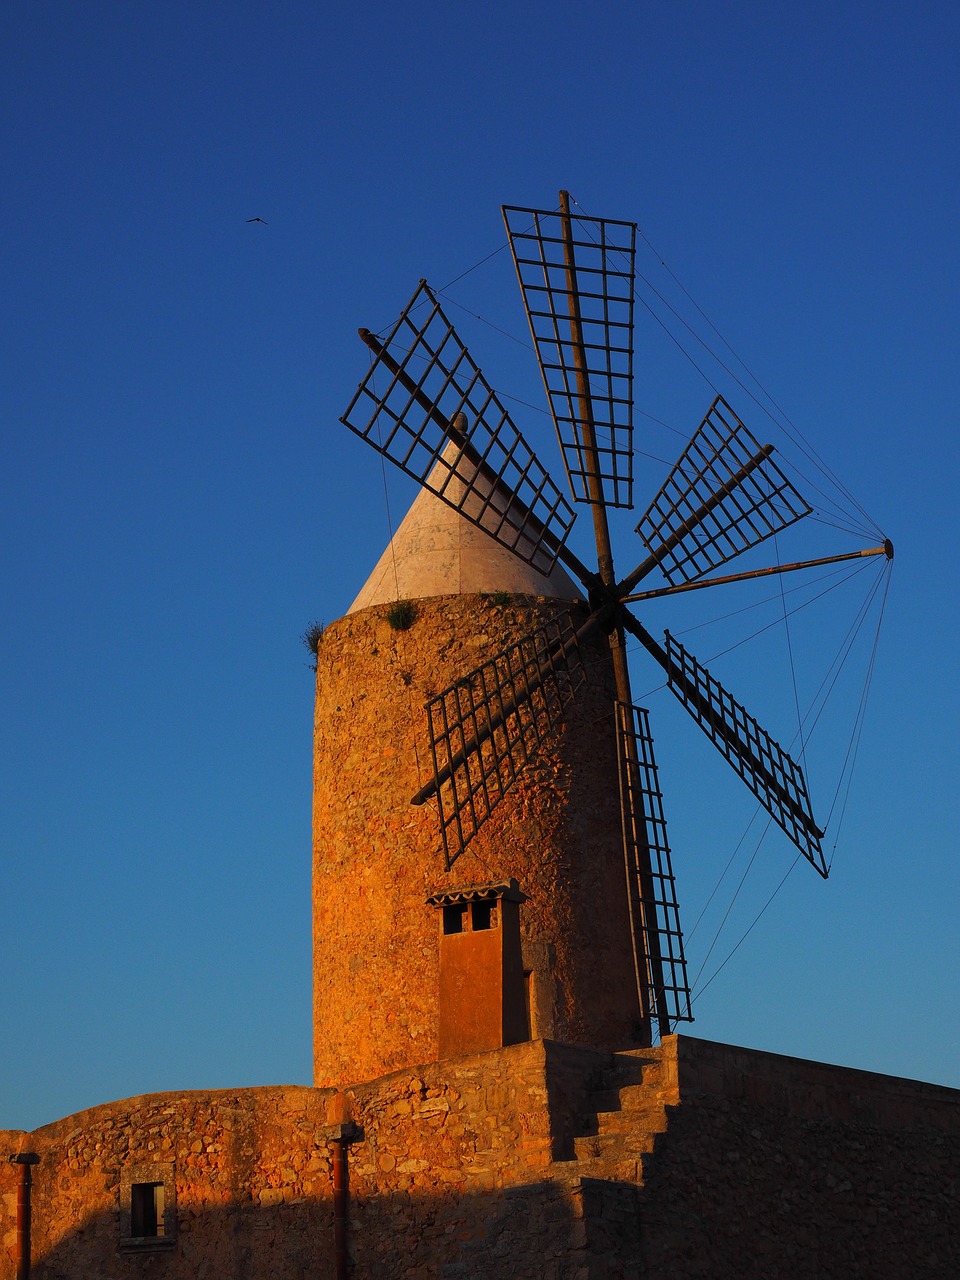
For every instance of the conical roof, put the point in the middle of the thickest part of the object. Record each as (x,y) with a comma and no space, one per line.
(436,552)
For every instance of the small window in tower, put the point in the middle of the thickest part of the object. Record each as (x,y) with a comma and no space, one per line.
(146,1210)
(484,915)
(454,918)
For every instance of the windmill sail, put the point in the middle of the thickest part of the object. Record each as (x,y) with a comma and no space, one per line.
(576,276)
(426,406)
(724,495)
(650,873)
(486,726)
(774,778)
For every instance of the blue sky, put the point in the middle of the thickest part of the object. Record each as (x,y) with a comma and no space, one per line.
(180,501)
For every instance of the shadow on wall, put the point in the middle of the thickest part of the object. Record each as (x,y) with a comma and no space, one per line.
(540,1161)
(748,1207)
(541,1231)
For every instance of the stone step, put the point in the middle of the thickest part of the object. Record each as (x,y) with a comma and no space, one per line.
(634,1067)
(648,1119)
(623,1071)
(606,1146)
(621,1168)
(642,1097)
(623,1115)
(603,1100)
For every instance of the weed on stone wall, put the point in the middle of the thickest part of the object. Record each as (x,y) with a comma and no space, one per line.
(402,615)
(311,639)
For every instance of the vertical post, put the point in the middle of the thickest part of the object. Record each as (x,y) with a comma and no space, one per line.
(25,1160)
(341,1192)
(340,1132)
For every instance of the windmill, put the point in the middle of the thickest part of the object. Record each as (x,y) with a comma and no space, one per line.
(425,405)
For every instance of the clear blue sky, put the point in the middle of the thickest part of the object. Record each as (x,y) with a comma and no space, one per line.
(180,501)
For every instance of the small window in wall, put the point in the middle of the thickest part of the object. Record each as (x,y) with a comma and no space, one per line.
(147,1207)
(146,1210)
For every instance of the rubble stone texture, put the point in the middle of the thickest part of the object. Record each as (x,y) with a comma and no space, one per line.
(539,1160)
(377,858)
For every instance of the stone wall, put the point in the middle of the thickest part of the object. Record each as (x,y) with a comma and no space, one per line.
(441,1148)
(775,1167)
(251,1185)
(743,1163)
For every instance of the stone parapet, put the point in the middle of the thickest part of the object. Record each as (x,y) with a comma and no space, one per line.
(694,1160)
(806,1090)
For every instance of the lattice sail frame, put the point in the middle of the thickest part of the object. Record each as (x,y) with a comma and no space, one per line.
(650,867)
(437,418)
(720,500)
(722,458)
(488,724)
(771,774)
(601,298)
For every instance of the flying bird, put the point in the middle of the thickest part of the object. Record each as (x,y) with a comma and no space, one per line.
(263,220)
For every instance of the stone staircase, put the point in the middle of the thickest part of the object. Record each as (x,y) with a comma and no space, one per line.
(584,1218)
(621,1119)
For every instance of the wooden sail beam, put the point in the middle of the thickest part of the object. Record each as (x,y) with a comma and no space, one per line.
(707,715)
(453,430)
(505,711)
(886,549)
(692,521)
(652,961)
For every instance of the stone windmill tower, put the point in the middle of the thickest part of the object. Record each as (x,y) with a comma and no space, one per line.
(380,1001)
(552,843)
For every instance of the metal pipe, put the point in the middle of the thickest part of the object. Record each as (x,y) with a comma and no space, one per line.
(341,1204)
(340,1134)
(25,1159)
